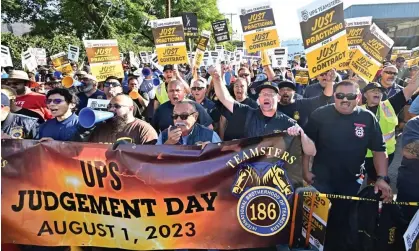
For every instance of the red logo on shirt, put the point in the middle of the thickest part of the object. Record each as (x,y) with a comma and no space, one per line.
(359,130)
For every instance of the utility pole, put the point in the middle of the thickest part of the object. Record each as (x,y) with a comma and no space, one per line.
(168,8)
(231,22)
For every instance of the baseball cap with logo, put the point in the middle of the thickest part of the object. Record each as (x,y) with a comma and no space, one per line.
(168,67)
(267,84)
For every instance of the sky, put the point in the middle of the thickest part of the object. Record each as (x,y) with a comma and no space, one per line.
(285,12)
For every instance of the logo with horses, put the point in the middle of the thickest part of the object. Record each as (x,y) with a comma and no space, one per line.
(263,189)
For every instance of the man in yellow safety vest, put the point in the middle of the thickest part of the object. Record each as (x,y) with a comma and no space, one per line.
(386,113)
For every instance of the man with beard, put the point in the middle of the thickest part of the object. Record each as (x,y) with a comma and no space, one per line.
(88,89)
(343,132)
(123,125)
(230,129)
(16,126)
(186,130)
(300,109)
(388,81)
(169,74)
(386,113)
(162,117)
(19,81)
(263,120)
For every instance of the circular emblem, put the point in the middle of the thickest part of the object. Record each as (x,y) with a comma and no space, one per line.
(263,211)
(304,15)
(17,132)
(296,115)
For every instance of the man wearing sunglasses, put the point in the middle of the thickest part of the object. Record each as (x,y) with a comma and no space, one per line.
(65,123)
(162,117)
(263,120)
(343,133)
(198,89)
(389,81)
(112,87)
(123,125)
(186,130)
(19,81)
(16,126)
(386,113)
(317,89)
(88,89)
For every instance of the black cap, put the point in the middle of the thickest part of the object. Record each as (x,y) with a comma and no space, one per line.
(286,83)
(267,84)
(168,67)
(373,85)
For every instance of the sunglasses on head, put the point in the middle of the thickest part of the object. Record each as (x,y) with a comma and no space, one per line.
(391,73)
(197,88)
(116,106)
(182,116)
(55,101)
(349,96)
(244,75)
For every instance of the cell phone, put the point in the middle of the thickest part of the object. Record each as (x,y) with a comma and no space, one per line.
(174,128)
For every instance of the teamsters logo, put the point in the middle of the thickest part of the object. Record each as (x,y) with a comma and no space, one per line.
(263,189)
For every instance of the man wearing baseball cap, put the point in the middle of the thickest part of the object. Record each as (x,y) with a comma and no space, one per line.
(300,109)
(88,90)
(16,126)
(169,73)
(386,113)
(263,120)
(20,82)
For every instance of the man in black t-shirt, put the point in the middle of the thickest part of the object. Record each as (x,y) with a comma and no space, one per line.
(263,120)
(300,109)
(342,133)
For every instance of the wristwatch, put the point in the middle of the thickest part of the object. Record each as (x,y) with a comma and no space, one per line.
(385,178)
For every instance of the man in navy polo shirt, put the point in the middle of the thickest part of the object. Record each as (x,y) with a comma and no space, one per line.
(64,125)
(88,90)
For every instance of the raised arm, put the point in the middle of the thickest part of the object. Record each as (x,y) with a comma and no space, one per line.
(412,86)
(220,88)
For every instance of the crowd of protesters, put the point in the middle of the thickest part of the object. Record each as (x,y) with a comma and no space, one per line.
(348,127)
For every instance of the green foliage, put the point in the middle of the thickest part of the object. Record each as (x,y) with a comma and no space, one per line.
(57,23)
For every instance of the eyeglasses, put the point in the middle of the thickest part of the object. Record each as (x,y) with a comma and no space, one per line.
(349,96)
(267,94)
(244,75)
(197,88)
(182,116)
(55,101)
(109,84)
(391,73)
(116,106)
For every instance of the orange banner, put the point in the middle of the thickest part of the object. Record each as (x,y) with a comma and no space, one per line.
(233,195)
